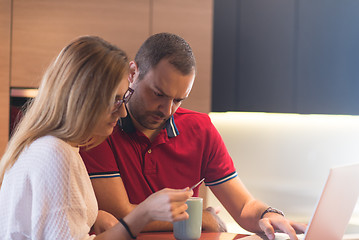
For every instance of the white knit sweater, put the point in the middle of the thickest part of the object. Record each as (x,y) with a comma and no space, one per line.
(47,194)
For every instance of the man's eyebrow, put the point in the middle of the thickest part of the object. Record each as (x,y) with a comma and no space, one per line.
(161,91)
(164,94)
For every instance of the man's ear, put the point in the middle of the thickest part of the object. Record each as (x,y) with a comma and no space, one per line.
(133,72)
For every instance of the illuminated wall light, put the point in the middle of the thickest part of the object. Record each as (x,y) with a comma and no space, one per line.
(287,155)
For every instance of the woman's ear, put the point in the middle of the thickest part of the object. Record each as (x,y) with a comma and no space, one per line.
(133,72)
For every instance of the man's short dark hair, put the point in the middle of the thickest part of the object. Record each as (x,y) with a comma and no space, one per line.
(165,45)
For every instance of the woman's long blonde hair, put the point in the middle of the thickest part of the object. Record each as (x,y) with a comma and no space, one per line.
(77,88)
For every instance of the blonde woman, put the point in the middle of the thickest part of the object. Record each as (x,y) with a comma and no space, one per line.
(45,191)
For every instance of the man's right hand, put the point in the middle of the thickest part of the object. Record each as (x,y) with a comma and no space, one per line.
(211,221)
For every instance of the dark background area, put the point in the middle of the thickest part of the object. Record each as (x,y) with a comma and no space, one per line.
(288,56)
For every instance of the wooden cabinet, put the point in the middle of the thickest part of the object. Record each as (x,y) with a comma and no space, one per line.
(41,28)
(5,29)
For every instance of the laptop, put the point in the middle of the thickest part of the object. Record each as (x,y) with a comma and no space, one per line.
(335,206)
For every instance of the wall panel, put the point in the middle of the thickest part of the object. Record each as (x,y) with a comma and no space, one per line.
(328,57)
(290,56)
(42,28)
(265,56)
(5,26)
(193,21)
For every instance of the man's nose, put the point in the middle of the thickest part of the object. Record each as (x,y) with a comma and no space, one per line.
(166,107)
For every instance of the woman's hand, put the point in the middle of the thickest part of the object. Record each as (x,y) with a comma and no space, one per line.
(167,205)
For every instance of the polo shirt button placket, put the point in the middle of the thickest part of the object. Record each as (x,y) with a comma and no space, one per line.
(150,164)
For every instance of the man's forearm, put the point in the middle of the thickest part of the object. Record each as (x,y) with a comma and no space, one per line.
(250,216)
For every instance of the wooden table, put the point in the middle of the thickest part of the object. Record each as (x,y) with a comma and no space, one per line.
(204,236)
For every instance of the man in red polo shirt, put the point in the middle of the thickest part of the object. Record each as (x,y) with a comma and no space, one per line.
(161,145)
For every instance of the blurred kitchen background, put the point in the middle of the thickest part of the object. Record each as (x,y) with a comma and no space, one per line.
(288,70)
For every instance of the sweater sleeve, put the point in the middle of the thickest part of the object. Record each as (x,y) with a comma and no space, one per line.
(47,194)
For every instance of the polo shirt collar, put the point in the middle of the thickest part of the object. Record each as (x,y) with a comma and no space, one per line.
(127,125)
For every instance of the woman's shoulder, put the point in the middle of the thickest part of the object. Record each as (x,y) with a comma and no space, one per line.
(47,152)
(43,163)
(49,145)
(48,141)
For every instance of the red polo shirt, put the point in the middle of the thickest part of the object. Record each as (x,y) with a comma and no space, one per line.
(188,149)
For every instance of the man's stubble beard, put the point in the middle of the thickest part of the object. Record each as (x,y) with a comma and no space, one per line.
(141,119)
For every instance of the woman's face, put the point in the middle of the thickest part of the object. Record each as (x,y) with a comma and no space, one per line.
(109,119)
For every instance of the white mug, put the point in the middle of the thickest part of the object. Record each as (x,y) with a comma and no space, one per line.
(191,228)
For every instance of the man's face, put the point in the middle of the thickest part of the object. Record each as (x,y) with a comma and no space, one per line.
(158,95)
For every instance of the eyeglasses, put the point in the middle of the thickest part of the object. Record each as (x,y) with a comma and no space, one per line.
(118,102)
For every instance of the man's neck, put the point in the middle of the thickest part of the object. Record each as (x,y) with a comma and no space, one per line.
(151,134)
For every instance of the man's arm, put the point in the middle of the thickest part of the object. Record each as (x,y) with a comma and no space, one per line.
(247,211)
(112,197)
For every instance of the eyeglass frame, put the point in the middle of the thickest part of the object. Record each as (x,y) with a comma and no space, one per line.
(126,97)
